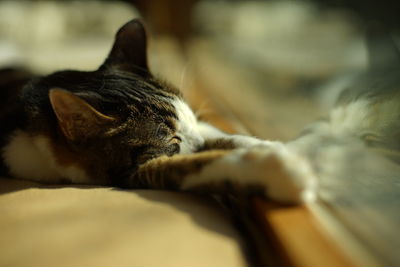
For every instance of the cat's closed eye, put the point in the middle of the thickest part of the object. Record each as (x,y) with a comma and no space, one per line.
(161,132)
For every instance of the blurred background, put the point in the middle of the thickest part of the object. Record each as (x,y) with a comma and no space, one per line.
(269,61)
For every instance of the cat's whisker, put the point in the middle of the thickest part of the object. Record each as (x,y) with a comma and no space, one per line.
(203,109)
(183,75)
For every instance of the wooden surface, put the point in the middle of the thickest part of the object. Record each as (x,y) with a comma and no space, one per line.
(298,236)
(84,226)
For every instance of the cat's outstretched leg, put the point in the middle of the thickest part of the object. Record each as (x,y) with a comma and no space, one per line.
(217,139)
(279,173)
(274,171)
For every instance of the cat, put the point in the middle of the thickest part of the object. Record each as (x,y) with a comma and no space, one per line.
(121,126)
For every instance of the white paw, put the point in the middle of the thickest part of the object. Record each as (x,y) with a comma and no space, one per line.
(285,176)
(242,141)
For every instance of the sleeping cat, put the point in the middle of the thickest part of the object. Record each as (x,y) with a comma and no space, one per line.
(119,125)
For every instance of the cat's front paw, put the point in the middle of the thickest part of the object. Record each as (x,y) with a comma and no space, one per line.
(283,175)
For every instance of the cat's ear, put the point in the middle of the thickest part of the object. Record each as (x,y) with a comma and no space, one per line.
(129,51)
(77,119)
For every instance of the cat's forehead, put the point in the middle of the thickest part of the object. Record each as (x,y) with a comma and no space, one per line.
(137,102)
(145,99)
(102,80)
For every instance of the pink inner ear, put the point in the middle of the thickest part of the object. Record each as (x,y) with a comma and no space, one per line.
(61,102)
(66,104)
(76,117)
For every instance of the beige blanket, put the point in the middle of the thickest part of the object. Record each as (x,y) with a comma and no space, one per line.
(103,226)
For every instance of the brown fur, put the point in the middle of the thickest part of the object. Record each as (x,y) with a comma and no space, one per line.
(170,172)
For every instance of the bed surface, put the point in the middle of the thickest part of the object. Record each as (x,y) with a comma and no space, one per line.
(104,226)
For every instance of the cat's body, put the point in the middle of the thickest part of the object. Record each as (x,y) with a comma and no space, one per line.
(119,125)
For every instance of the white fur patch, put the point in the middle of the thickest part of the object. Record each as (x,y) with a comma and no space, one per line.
(364,117)
(350,119)
(285,176)
(208,132)
(194,132)
(187,128)
(31,157)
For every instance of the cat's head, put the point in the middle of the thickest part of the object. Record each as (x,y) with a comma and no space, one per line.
(109,121)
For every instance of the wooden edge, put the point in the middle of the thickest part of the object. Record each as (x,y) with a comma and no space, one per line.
(298,236)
